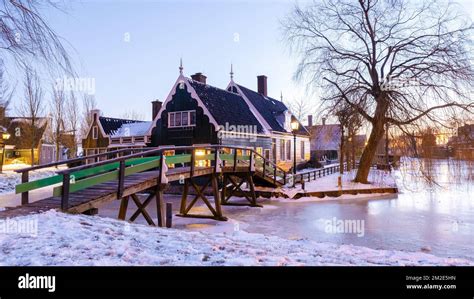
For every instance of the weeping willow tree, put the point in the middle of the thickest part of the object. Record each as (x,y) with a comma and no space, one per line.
(397,63)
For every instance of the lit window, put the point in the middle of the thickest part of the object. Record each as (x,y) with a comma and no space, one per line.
(200,161)
(181,119)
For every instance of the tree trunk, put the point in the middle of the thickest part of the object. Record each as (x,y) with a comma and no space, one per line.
(353,152)
(369,152)
(341,152)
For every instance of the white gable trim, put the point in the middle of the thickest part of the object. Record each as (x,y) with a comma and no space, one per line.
(100,128)
(183,79)
(266,127)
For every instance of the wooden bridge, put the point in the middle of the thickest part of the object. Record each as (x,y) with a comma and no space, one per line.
(122,174)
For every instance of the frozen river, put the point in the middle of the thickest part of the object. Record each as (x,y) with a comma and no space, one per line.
(434,215)
(434,212)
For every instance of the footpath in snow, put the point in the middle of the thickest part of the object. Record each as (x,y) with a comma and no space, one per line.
(61,239)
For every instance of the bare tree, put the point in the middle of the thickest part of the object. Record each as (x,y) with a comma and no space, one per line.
(31,108)
(132,114)
(58,109)
(89,103)
(398,62)
(24,34)
(300,108)
(72,120)
(6,93)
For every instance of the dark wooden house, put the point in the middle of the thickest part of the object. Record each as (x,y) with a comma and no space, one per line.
(108,133)
(197,113)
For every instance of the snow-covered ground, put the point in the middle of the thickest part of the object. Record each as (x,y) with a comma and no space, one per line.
(9,179)
(86,240)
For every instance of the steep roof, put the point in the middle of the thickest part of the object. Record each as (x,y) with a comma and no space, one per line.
(225,106)
(133,129)
(270,109)
(111,125)
(267,107)
(23,140)
(325,137)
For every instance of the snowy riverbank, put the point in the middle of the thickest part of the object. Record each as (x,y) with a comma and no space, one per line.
(9,178)
(84,240)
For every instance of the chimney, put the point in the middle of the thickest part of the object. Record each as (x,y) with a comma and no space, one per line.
(199,77)
(2,113)
(324,121)
(262,84)
(156,108)
(310,120)
(95,113)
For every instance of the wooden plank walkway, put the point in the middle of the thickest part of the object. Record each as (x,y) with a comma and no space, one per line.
(91,197)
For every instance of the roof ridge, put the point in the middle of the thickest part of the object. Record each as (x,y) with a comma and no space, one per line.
(116,118)
(212,86)
(241,86)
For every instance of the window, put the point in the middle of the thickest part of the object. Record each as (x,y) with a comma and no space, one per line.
(181,119)
(267,154)
(95,132)
(259,150)
(302,150)
(288,150)
(274,150)
(282,150)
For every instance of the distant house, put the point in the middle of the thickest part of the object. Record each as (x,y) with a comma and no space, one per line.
(198,113)
(108,133)
(325,140)
(463,143)
(24,136)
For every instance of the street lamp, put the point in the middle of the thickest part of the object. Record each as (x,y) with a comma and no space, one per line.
(294,127)
(5,136)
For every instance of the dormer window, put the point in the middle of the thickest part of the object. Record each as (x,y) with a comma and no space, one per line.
(181,119)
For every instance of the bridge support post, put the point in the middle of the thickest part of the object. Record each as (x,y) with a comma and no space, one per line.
(123,208)
(160,206)
(236,190)
(215,210)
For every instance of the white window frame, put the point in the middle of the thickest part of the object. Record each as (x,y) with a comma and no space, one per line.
(282,146)
(302,150)
(95,132)
(174,114)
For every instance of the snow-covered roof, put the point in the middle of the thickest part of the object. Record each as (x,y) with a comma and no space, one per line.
(132,129)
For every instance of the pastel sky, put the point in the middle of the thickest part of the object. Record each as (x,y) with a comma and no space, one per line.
(132,48)
(208,35)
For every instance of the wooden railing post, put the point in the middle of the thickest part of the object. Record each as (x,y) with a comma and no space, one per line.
(65,192)
(216,160)
(162,160)
(250,161)
(275,174)
(24,195)
(193,161)
(121,179)
(235,159)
